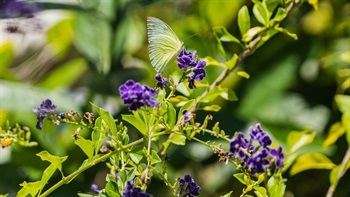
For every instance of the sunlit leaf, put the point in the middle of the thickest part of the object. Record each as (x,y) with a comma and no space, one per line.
(276,186)
(280,15)
(243,74)
(311,161)
(297,139)
(261,12)
(213,62)
(170,115)
(333,176)
(223,35)
(243,20)
(136,121)
(214,108)
(251,33)
(228,94)
(283,30)
(178,139)
(97,136)
(31,188)
(136,156)
(227,195)
(314,3)
(260,191)
(232,62)
(87,146)
(336,131)
(107,117)
(155,157)
(343,102)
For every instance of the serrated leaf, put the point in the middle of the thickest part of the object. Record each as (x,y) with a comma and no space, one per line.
(178,139)
(311,161)
(107,117)
(155,157)
(214,108)
(136,121)
(243,74)
(87,146)
(243,20)
(297,139)
(336,131)
(251,33)
(261,12)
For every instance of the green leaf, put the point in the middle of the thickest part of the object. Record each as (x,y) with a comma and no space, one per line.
(188,105)
(283,30)
(311,161)
(85,195)
(335,132)
(243,20)
(251,33)
(276,186)
(155,158)
(343,102)
(260,191)
(221,34)
(55,160)
(97,136)
(31,188)
(232,62)
(171,114)
(178,139)
(243,74)
(86,145)
(297,139)
(333,176)
(228,194)
(280,15)
(136,156)
(136,121)
(214,108)
(261,12)
(240,177)
(107,117)
(6,57)
(228,94)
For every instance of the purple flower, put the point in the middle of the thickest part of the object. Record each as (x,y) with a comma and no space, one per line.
(162,82)
(278,154)
(137,96)
(258,162)
(198,74)
(237,143)
(187,115)
(186,59)
(41,111)
(188,187)
(16,8)
(130,191)
(94,188)
(257,134)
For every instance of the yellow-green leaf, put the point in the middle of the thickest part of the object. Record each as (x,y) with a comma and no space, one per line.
(87,146)
(243,74)
(178,139)
(343,102)
(243,20)
(311,161)
(314,3)
(247,37)
(334,133)
(297,139)
(232,62)
(214,108)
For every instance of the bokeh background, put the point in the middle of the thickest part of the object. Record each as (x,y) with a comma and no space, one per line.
(80,51)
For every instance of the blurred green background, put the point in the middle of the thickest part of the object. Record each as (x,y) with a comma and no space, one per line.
(76,52)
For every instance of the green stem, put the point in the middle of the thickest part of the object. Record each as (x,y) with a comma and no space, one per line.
(70,177)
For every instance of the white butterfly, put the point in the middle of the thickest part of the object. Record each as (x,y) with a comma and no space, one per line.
(163,44)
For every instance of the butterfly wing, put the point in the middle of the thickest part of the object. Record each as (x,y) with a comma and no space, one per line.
(163,44)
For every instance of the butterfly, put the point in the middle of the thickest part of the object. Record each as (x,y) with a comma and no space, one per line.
(163,44)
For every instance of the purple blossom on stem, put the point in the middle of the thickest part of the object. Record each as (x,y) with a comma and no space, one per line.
(95,189)
(41,111)
(137,96)
(278,154)
(130,191)
(161,81)
(187,115)
(186,59)
(188,187)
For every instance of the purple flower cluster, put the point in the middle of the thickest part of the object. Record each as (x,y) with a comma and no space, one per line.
(255,153)
(41,112)
(193,68)
(130,191)
(162,82)
(187,186)
(137,96)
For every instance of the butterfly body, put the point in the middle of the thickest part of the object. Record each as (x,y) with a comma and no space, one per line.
(163,44)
